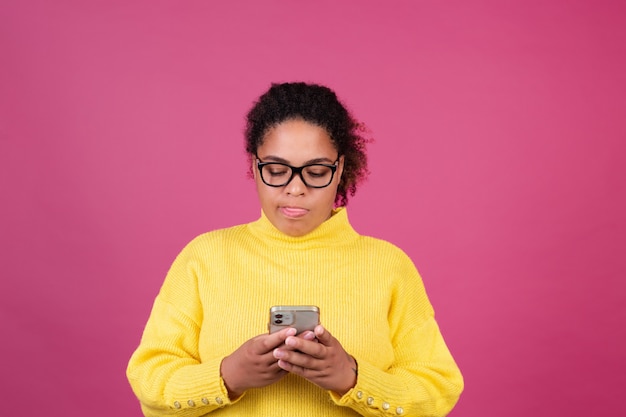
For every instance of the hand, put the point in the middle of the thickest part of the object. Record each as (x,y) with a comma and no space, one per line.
(323,362)
(253,365)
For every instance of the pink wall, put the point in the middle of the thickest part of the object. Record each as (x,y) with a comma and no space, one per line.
(498,166)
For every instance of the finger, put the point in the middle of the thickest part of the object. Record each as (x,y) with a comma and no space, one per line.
(307,347)
(291,353)
(285,366)
(272,340)
(275,368)
(303,365)
(323,336)
(307,335)
(295,363)
(268,360)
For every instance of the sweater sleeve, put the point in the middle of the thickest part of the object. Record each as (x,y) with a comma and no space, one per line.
(165,371)
(424,379)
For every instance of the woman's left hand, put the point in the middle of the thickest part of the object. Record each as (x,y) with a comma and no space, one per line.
(323,362)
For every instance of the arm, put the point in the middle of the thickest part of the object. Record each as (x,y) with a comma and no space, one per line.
(422,379)
(418,384)
(167,372)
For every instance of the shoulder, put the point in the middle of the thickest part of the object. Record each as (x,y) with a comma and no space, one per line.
(386,256)
(216,239)
(403,278)
(384,248)
(220,234)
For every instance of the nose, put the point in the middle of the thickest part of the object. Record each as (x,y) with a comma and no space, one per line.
(296,186)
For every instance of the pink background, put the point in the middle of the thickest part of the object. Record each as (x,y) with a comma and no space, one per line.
(498,167)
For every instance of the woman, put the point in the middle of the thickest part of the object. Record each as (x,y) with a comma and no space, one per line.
(378,351)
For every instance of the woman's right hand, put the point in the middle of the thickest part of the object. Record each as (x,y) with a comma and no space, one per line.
(253,364)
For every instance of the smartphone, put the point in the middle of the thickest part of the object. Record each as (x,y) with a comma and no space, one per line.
(300,317)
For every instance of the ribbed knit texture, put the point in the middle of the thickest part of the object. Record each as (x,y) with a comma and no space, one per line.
(217,295)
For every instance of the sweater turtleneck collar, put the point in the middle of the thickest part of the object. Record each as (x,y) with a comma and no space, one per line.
(336,230)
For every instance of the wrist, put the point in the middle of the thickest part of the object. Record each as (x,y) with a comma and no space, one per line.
(354,368)
(229,379)
(350,377)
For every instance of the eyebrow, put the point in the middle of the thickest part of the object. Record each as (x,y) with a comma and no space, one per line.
(273,158)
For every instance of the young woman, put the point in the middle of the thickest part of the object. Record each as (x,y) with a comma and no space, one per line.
(378,351)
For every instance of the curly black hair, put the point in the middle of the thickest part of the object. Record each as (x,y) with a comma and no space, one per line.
(320,106)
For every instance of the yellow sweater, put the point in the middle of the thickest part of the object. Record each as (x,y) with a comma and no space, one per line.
(217,295)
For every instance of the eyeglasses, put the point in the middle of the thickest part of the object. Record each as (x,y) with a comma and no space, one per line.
(277,174)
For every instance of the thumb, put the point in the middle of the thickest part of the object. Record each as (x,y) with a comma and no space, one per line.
(323,336)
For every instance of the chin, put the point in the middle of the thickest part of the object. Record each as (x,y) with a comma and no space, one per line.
(294,229)
(294,232)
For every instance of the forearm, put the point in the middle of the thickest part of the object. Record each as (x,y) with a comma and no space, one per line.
(166,371)
(420,391)
(167,387)
(424,379)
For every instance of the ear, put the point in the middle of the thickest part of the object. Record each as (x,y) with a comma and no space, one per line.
(340,167)
(253,167)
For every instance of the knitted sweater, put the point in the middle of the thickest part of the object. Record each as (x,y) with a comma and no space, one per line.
(217,295)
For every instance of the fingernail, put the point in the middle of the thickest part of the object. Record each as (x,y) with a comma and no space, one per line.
(278,353)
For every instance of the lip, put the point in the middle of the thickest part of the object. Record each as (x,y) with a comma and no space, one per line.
(293,212)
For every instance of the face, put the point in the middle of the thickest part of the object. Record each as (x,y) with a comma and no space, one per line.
(296,209)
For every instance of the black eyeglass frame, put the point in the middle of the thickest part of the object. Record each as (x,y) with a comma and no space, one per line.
(298,171)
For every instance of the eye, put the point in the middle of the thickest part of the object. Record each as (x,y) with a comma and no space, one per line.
(276,170)
(317,171)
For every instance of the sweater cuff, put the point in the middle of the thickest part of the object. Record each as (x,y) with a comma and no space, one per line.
(199,385)
(367,396)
